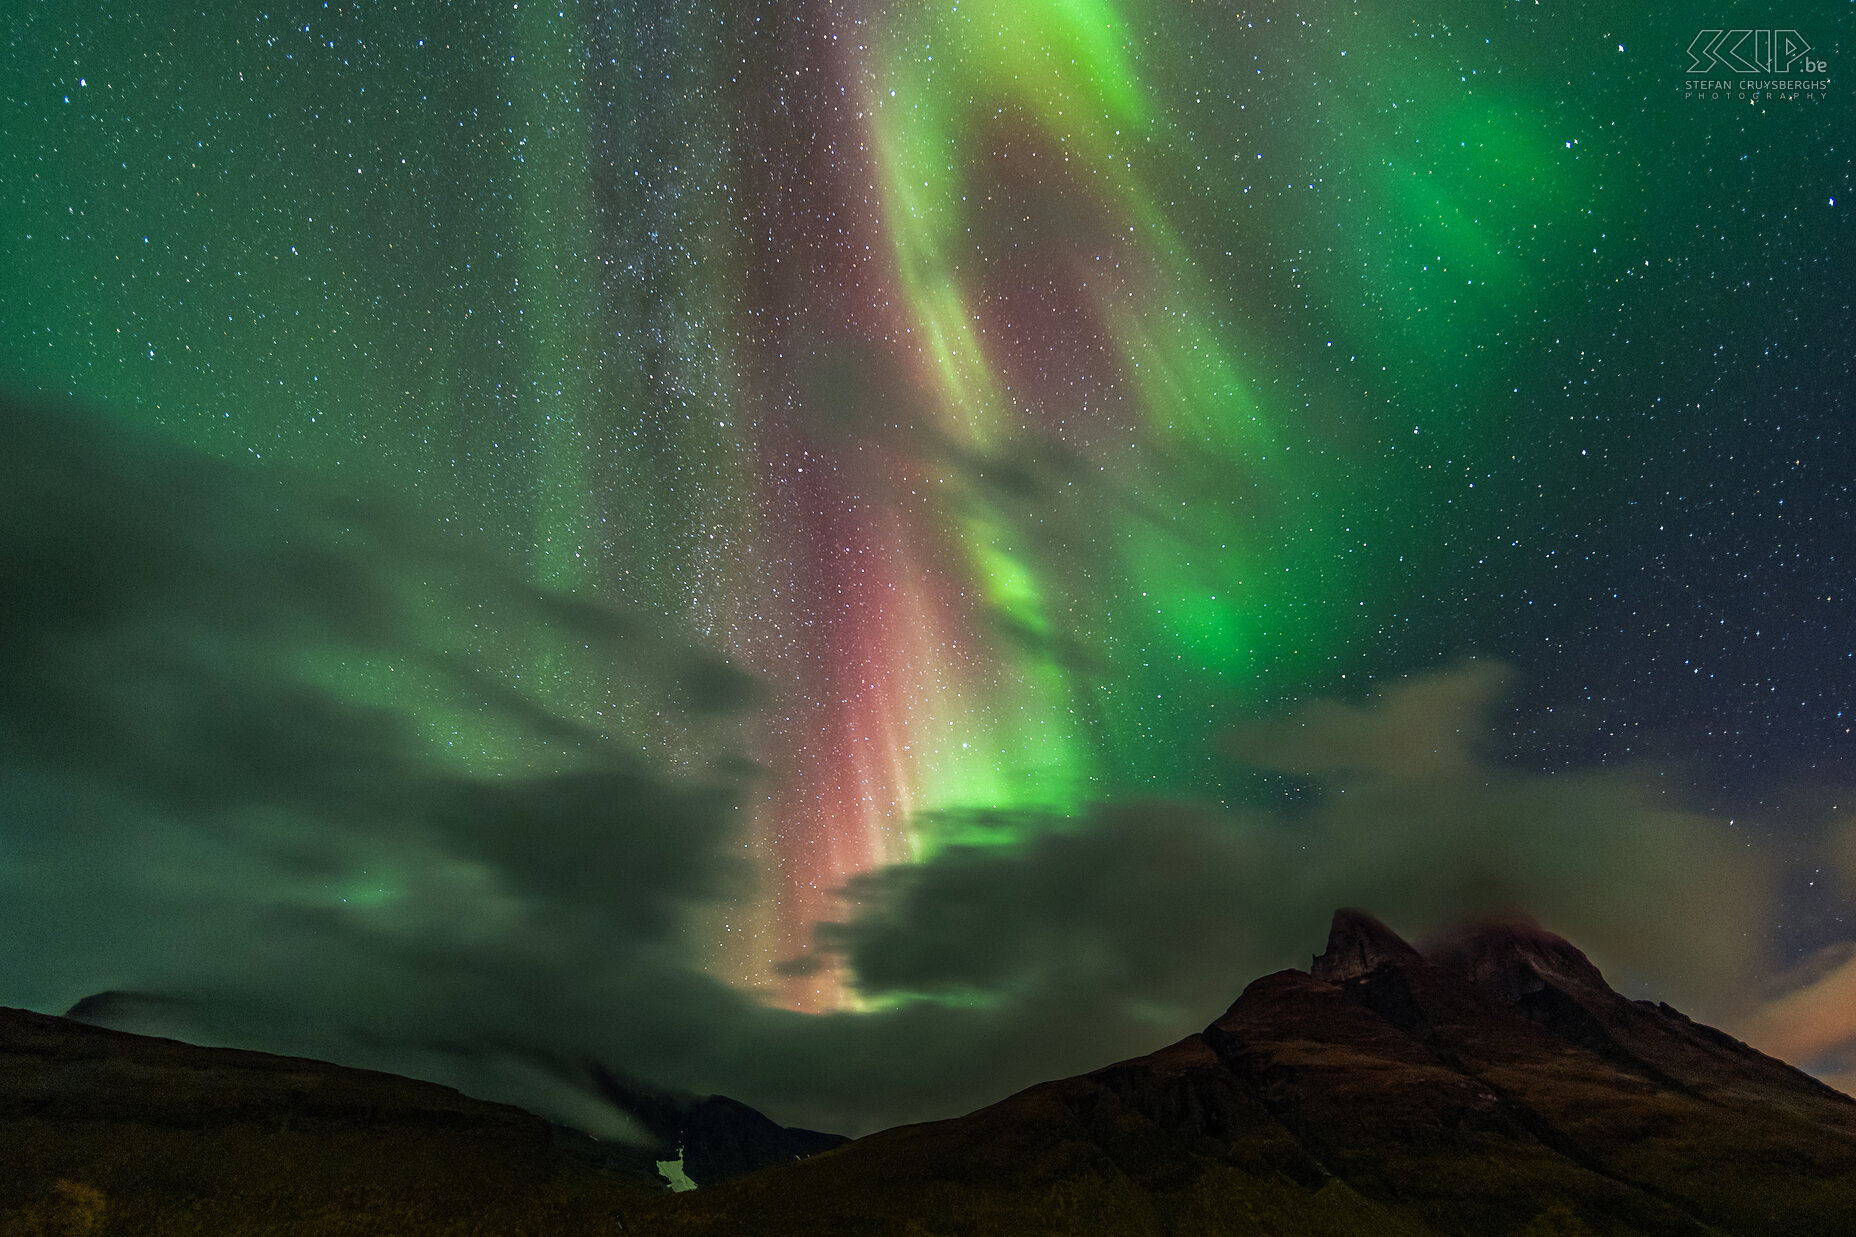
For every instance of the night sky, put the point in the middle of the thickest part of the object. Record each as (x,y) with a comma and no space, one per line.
(515,516)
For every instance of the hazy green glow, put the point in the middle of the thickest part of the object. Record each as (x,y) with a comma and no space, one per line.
(559,241)
(1207,333)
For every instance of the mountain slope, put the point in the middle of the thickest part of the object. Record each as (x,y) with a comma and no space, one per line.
(103,1131)
(718,1138)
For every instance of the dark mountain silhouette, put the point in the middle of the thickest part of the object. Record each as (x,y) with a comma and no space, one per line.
(1492,1086)
(105,1131)
(718,1138)
(1496,1086)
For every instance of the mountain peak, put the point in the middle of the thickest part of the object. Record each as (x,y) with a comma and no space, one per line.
(1504,962)
(1359,944)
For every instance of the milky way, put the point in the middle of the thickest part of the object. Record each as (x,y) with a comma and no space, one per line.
(1024,391)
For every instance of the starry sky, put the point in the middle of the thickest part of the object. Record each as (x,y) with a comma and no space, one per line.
(917,514)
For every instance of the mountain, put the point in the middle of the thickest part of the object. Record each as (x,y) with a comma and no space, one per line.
(1491,1086)
(1494,1085)
(713,1137)
(718,1139)
(107,1132)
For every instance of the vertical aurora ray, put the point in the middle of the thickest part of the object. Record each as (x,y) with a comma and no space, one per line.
(1015,387)
(556,291)
(1042,275)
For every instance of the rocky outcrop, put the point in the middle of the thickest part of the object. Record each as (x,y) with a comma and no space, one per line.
(1358,945)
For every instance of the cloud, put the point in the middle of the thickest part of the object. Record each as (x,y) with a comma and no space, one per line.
(1160,900)
(1809,1016)
(230,701)
(1059,944)
(1815,1019)
(1101,936)
(1427,728)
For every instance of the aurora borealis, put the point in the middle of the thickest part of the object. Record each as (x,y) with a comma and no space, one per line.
(1023,395)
